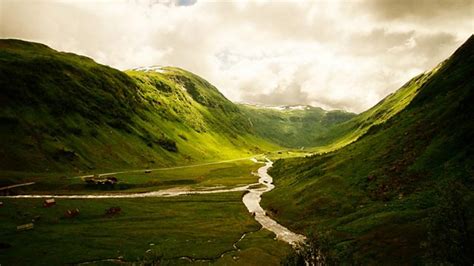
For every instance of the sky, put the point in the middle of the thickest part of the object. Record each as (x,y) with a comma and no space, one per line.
(333,54)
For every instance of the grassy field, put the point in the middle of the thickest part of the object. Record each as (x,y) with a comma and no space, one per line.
(228,174)
(256,249)
(199,227)
(222,174)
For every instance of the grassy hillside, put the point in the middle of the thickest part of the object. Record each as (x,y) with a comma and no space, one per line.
(64,112)
(346,132)
(402,193)
(295,126)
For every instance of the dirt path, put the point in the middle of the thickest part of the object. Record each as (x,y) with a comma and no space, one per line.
(17,185)
(172,192)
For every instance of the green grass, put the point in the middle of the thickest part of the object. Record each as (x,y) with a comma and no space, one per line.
(201,226)
(295,128)
(349,131)
(257,248)
(219,174)
(392,185)
(64,113)
(400,194)
(225,174)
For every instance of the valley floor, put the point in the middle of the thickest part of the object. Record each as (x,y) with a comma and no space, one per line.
(196,227)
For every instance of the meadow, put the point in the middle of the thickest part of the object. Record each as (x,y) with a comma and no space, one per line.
(201,227)
(222,174)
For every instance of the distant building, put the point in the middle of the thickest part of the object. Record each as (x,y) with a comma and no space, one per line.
(110,180)
(49,202)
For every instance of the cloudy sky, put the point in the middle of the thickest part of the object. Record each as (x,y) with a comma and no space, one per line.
(334,54)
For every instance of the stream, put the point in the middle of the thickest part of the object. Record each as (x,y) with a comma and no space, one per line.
(252,202)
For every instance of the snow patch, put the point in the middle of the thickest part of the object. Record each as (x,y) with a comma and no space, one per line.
(282,107)
(298,107)
(158,69)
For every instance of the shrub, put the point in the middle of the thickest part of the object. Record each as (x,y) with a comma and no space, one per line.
(168,144)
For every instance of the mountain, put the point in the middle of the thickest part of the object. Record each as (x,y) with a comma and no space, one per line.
(295,126)
(346,132)
(402,193)
(65,113)
(62,112)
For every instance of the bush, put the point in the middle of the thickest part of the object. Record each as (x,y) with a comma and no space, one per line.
(94,133)
(168,144)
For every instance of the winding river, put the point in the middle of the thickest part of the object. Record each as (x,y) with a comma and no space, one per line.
(251,200)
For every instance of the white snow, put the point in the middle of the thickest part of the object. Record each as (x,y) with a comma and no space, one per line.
(285,107)
(158,69)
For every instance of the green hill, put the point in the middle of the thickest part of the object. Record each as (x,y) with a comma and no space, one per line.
(403,192)
(63,113)
(342,134)
(295,126)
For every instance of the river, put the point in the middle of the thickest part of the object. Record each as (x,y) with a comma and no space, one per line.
(252,202)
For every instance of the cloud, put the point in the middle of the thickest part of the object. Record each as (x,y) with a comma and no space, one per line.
(420,9)
(334,54)
(288,94)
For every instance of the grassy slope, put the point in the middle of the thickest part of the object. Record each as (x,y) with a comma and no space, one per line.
(402,193)
(295,128)
(62,112)
(342,134)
